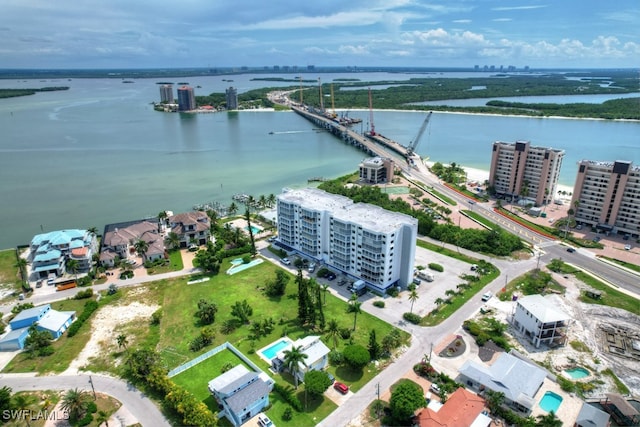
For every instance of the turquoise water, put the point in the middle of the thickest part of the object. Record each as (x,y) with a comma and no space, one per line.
(577,373)
(254,230)
(272,351)
(98,153)
(238,265)
(550,402)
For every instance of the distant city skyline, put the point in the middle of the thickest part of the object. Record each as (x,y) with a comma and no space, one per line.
(402,33)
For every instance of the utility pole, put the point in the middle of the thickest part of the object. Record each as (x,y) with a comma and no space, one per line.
(92,388)
(538,264)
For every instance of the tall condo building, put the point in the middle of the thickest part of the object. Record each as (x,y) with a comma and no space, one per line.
(363,241)
(376,170)
(166,94)
(186,98)
(607,196)
(519,169)
(232,98)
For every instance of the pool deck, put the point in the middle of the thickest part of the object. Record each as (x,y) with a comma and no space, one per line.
(569,408)
(263,357)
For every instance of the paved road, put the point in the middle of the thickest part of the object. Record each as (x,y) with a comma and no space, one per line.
(137,404)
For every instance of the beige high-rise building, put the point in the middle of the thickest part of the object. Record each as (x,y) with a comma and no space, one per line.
(376,170)
(607,196)
(519,169)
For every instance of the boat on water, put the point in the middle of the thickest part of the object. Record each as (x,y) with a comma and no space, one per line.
(271,133)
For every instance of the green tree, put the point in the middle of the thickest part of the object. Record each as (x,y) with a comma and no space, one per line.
(356,356)
(206,312)
(207,259)
(173,240)
(271,200)
(242,310)
(405,399)
(354,307)
(262,201)
(333,332)
(495,399)
(316,382)
(141,248)
(549,420)
(142,362)
(5,398)
(413,297)
(72,265)
(247,216)
(75,403)
(325,288)
(21,265)
(293,359)
(374,347)
(102,418)
(38,343)
(22,402)
(232,209)
(278,286)
(122,341)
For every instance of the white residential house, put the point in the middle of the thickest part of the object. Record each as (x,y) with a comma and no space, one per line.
(119,241)
(541,321)
(316,351)
(519,380)
(241,393)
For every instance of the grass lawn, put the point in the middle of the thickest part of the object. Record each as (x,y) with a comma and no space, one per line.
(9,274)
(175,264)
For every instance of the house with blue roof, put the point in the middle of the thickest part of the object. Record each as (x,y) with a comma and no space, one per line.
(50,251)
(517,379)
(43,317)
(242,394)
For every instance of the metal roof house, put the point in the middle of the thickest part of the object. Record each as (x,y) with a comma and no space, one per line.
(43,317)
(517,379)
(590,416)
(540,320)
(316,351)
(49,251)
(241,393)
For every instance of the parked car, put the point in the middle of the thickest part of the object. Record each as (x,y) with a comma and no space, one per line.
(39,284)
(342,388)
(474,267)
(264,421)
(312,267)
(193,248)
(416,281)
(487,296)
(271,239)
(627,247)
(286,261)
(571,250)
(435,388)
(331,276)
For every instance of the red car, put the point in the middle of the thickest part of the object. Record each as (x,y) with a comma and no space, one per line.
(342,388)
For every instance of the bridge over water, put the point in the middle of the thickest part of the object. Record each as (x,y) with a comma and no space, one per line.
(376,145)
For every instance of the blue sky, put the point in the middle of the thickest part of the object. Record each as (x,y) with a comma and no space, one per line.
(221,33)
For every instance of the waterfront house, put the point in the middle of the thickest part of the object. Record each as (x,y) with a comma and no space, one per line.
(119,241)
(590,416)
(517,379)
(50,251)
(241,394)
(541,321)
(316,351)
(191,227)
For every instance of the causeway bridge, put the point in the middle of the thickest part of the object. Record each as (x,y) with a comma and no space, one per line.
(375,145)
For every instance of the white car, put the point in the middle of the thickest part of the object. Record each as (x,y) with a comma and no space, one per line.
(627,247)
(264,421)
(286,261)
(435,388)
(486,296)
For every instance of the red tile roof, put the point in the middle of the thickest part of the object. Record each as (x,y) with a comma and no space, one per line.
(460,410)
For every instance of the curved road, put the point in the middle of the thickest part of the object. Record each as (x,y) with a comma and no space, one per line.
(139,405)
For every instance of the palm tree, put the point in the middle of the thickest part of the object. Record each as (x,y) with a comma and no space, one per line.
(23,402)
(75,403)
(72,265)
(141,248)
(233,209)
(271,200)
(262,201)
(354,307)
(325,287)
(251,202)
(292,360)
(495,399)
(247,216)
(102,417)
(21,264)
(438,301)
(333,332)
(122,341)
(549,420)
(413,296)
(93,230)
(173,240)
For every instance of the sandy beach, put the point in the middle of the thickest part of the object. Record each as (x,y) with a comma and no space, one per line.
(480,176)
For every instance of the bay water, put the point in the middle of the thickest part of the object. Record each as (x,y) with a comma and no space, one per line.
(98,153)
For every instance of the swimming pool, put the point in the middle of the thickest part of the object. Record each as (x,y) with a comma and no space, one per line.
(238,265)
(577,373)
(271,351)
(550,402)
(254,230)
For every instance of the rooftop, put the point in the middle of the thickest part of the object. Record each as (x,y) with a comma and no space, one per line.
(543,309)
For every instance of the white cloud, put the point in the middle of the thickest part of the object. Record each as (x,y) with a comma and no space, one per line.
(353,50)
(503,8)
(462,21)
(502,20)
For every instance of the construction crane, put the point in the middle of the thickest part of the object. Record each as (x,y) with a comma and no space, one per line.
(413,144)
(372,131)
